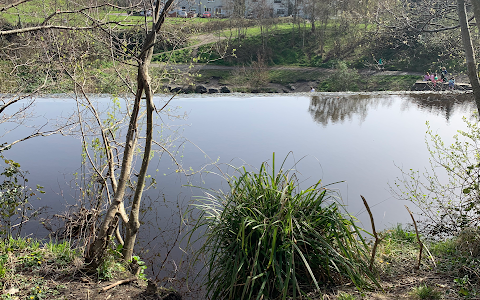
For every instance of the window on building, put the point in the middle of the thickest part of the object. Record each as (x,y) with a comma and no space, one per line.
(277,1)
(208,9)
(218,10)
(280,11)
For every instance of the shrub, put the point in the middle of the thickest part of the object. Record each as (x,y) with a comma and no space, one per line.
(15,208)
(266,239)
(254,77)
(468,242)
(343,79)
(453,204)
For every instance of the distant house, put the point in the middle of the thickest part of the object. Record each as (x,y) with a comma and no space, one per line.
(266,8)
(217,8)
(250,8)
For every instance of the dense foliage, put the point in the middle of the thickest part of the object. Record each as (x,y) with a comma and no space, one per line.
(267,239)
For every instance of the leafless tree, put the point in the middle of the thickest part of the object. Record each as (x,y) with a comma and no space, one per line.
(53,24)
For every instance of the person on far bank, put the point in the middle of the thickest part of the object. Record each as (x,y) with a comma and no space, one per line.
(381,67)
(444,74)
(435,80)
(451,83)
(426,77)
(312,89)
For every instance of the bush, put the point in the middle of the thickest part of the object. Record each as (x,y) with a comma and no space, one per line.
(15,207)
(468,242)
(267,239)
(255,77)
(343,79)
(454,204)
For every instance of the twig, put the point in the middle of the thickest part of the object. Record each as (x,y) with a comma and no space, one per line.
(377,240)
(418,239)
(118,283)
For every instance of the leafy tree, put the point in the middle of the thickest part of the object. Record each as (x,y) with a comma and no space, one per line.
(448,194)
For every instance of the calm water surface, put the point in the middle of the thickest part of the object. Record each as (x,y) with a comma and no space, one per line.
(358,140)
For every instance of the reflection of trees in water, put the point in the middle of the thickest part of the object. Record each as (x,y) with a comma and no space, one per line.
(334,109)
(441,104)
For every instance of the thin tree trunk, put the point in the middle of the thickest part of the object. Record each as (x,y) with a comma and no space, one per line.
(96,250)
(134,222)
(469,54)
(312,19)
(476,11)
(95,254)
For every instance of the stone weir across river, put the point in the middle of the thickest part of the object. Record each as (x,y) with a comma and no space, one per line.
(421,85)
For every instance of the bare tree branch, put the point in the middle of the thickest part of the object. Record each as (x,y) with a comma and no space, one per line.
(7,7)
(38,133)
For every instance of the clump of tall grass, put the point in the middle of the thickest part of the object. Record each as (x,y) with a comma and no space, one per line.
(266,239)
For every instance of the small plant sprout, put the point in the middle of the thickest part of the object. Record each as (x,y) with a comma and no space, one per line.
(425,292)
(345,296)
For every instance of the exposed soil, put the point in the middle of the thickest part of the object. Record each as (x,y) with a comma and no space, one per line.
(82,287)
(401,286)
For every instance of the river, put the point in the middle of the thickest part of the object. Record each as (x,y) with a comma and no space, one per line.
(357,140)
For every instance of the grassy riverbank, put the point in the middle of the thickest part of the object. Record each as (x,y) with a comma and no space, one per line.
(450,272)
(267,55)
(104,79)
(30,269)
(37,270)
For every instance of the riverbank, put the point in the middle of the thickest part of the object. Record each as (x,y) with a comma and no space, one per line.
(206,78)
(288,79)
(32,270)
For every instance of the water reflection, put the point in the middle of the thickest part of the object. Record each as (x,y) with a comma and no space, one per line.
(333,109)
(327,109)
(441,104)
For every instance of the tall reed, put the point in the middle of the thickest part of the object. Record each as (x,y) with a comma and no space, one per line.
(266,239)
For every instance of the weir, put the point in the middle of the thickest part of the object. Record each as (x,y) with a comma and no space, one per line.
(421,85)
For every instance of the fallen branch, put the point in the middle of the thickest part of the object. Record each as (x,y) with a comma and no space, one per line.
(118,283)
(418,239)
(377,240)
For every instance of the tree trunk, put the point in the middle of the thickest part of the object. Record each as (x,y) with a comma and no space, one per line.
(134,223)
(469,54)
(96,251)
(476,11)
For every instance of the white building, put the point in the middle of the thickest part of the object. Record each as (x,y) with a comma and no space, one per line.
(217,8)
(251,8)
(266,8)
